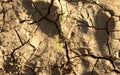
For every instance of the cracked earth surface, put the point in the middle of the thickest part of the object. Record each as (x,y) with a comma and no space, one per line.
(59,37)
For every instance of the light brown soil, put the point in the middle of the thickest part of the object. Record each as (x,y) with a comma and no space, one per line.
(60,37)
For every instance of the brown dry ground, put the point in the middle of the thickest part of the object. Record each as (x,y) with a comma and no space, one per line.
(60,37)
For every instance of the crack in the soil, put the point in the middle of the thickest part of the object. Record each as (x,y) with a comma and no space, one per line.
(109,58)
(65,40)
(106,29)
(38,20)
(94,66)
(22,44)
(54,22)
(3,11)
(46,17)
(67,52)
(57,27)
(27,42)
(59,31)
(37,9)
(49,8)
(14,50)
(18,36)
(107,10)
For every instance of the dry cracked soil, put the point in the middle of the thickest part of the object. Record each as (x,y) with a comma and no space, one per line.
(59,37)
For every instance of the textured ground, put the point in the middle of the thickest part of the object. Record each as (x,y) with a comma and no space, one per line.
(60,37)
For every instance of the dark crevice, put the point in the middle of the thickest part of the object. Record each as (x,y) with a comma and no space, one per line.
(67,52)
(46,17)
(13,52)
(109,58)
(49,8)
(22,21)
(3,11)
(38,20)
(37,9)
(18,36)
(92,72)
(65,41)
(111,12)
(57,27)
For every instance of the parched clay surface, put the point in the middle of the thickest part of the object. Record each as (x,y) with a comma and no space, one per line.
(60,37)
